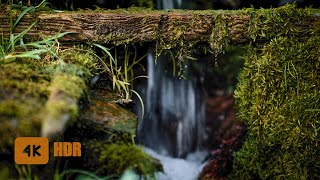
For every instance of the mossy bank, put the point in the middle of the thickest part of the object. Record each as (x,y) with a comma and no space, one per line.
(278,98)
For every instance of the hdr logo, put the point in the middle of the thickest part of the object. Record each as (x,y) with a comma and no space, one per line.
(67,149)
(35,150)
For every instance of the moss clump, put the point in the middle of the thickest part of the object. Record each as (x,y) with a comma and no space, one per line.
(116,158)
(80,62)
(287,20)
(62,105)
(34,93)
(23,93)
(279,99)
(84,58)
(71,85)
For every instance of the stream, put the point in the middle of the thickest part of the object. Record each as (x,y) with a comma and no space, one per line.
(178,168)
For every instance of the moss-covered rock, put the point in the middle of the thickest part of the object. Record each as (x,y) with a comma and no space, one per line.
(102,120)
(116,158)
(278,98)
(62,105)
(36,95)
(23,94)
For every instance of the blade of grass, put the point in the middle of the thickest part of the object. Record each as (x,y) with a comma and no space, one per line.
(106,50)
(15,39)
(141,102)
(138,77)
(136,62)
(312,110)
(21,16)
(12,44)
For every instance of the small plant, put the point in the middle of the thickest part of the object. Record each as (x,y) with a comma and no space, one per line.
(25,172)
(122,76)
(13,47)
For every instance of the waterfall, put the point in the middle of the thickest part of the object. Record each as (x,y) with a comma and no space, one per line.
(174,121)
(169,4)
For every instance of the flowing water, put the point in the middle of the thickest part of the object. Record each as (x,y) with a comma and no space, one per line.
(177,168)
(174,112)
(174,120)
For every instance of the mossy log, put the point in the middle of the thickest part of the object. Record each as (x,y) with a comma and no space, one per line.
(136,25)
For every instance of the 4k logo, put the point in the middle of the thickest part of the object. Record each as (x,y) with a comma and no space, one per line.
(31,150)
(35,150)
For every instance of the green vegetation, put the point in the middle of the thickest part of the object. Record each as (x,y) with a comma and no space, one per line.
(23,93)
(41,89)
(13,47)
(116,158)
(122,75)
(278,87)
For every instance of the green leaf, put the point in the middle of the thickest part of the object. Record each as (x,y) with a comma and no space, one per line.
(141,102)
(21,16)
(106,50)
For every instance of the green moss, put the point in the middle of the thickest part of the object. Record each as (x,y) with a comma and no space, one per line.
(34,93)
(79,62)
(82,57)
(71,85)
(287,20)
(278,86)
(219,35)
(22,95)
(116,159)
(62,105)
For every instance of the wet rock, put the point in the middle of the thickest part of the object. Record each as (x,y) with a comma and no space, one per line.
(106,131)
(103,109)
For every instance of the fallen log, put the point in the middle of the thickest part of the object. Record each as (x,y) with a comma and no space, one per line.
(166,27)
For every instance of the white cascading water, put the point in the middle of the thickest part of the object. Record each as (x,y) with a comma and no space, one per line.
(173,126)
(173,121)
